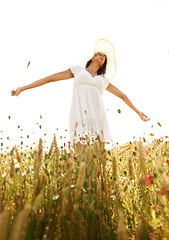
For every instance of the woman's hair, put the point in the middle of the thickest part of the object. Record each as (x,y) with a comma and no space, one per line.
(101,70)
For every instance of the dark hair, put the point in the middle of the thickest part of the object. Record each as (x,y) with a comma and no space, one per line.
(101,70)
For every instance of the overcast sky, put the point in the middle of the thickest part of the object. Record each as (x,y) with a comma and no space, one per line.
(54,35)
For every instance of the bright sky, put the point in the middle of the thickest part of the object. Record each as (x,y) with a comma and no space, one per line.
(54,35)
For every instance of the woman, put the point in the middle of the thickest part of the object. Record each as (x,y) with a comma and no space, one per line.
(87,114)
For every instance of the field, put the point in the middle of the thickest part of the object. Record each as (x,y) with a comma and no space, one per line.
(94,193)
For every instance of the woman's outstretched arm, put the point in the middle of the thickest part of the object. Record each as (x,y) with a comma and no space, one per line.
(52,78)
(118,93)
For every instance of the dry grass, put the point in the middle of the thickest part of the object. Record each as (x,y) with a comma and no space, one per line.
(95,194)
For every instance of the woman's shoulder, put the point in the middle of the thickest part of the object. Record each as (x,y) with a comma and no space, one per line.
(76,69)
(106,81)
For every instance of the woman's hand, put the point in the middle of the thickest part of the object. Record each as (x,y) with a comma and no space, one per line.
(143,117)
(16,92)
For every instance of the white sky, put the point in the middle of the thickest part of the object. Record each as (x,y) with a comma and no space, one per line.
(54,35)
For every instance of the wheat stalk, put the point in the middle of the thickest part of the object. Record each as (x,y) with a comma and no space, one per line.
(4,218)
(122,232)
(80,180)
(141,155)
(20,224)
(114,168)
(38,160)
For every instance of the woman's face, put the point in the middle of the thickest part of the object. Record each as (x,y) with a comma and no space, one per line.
(99,57)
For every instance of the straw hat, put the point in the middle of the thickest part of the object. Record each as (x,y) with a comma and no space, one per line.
(107,48)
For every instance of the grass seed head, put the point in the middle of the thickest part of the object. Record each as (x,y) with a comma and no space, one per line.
(141,155)
(20,224)
(122,232)
(37,202)
(114,168)
(80,179)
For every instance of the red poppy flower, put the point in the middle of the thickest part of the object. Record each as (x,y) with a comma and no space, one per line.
(161,192)
(126,166)
(148,179)
(112,182)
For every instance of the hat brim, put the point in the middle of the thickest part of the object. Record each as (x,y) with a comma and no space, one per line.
(107,48)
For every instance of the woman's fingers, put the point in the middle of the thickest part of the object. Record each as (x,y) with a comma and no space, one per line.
(16,92)
(12,92)
(144,117)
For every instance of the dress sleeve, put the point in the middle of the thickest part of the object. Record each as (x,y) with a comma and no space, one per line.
(75,70)
(106,82)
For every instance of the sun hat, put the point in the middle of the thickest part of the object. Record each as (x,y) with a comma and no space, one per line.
(107,48)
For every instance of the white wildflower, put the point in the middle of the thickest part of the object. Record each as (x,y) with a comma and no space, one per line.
(17,165)
(84,190)
(56,197)
(24,173)
(15,161)
(113,197)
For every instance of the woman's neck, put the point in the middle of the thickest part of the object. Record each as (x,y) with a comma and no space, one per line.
(93,68)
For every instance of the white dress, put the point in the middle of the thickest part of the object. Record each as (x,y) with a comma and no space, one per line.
(87,112)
